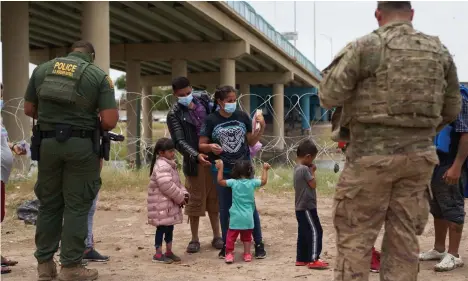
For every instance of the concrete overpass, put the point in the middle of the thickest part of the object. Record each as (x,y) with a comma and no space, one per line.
(213,43)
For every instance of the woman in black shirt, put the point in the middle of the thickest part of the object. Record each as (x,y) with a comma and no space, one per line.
(227,135)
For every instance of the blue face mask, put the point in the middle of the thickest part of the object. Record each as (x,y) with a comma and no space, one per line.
(1,104)
(230,107)
(185,101)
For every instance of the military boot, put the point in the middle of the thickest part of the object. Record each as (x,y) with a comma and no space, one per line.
(46,271)
(77,273)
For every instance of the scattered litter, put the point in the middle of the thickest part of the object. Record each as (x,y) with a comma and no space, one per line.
(28,211)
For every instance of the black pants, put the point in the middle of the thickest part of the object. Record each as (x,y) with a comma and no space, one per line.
(163,231)
(448,201)
(309,236)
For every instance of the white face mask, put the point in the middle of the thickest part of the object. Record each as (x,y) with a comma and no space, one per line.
(230,107)
(1,104)
(186,100)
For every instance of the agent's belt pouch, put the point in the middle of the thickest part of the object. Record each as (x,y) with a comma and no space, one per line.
(63,132)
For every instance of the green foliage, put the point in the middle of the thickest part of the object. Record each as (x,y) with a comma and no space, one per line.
(162,98)
(121,82)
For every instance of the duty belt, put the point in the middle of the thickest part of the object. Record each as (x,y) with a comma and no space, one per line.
(75,134)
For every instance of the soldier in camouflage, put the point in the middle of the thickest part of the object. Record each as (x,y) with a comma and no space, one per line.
(396,87)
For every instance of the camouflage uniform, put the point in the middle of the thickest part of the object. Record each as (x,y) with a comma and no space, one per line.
(395,87)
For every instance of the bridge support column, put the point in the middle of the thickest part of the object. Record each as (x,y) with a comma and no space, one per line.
(179,68)
(133,95)
(305,114)
(228,72)
(147,121)
(95,29)
(278,121)
(318,113)
(15,66)
(312,112)
(245,100)
(15,57)
(253,103)
(323,114)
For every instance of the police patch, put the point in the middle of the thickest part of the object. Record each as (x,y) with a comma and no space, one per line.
(64,69)
(109,80)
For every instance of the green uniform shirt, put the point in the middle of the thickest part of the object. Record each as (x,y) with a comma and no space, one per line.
(95,87)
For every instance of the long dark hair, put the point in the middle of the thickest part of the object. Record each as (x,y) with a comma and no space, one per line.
(220,94)
(242,169)
(163,144)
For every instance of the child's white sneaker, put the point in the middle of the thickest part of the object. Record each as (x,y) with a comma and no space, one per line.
(449,262)
(431,255)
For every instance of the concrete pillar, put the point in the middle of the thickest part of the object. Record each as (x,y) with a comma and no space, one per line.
(211,88)
(228,72)
(305,114)
(278,121)
(245,100)
(323,114)
(318,113)
(133,95)
(312,112)
(59,52)
(147,121)
(253,103)
(15,66)
(95,29)
(179,68)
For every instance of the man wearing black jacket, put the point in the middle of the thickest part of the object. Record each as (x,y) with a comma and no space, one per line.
(184,121)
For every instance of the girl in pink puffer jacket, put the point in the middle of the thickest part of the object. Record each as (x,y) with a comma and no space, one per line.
(166,197)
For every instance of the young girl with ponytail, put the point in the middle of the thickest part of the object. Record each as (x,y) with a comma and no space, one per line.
(166,197)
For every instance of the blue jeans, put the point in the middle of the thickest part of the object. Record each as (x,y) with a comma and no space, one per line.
(90,238)
(225,203)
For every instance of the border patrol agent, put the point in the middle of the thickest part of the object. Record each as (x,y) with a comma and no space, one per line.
(396,86)
(67,95)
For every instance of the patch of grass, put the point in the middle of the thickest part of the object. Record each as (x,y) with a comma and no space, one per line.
(119,149)
(280,180)
(17,192)
(123,184)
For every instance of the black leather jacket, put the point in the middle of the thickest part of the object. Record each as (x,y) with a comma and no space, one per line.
(183,133)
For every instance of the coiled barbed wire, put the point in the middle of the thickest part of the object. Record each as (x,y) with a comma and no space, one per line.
(120,154)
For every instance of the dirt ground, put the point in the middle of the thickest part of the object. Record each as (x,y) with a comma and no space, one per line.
(122,233)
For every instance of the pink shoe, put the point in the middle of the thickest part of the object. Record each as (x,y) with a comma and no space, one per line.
(229,258)
(247,257)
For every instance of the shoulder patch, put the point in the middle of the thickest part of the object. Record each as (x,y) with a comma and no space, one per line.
(109,80)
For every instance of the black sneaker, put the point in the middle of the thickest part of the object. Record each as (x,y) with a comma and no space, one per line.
(260,252)
(222,253)
(93,255)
